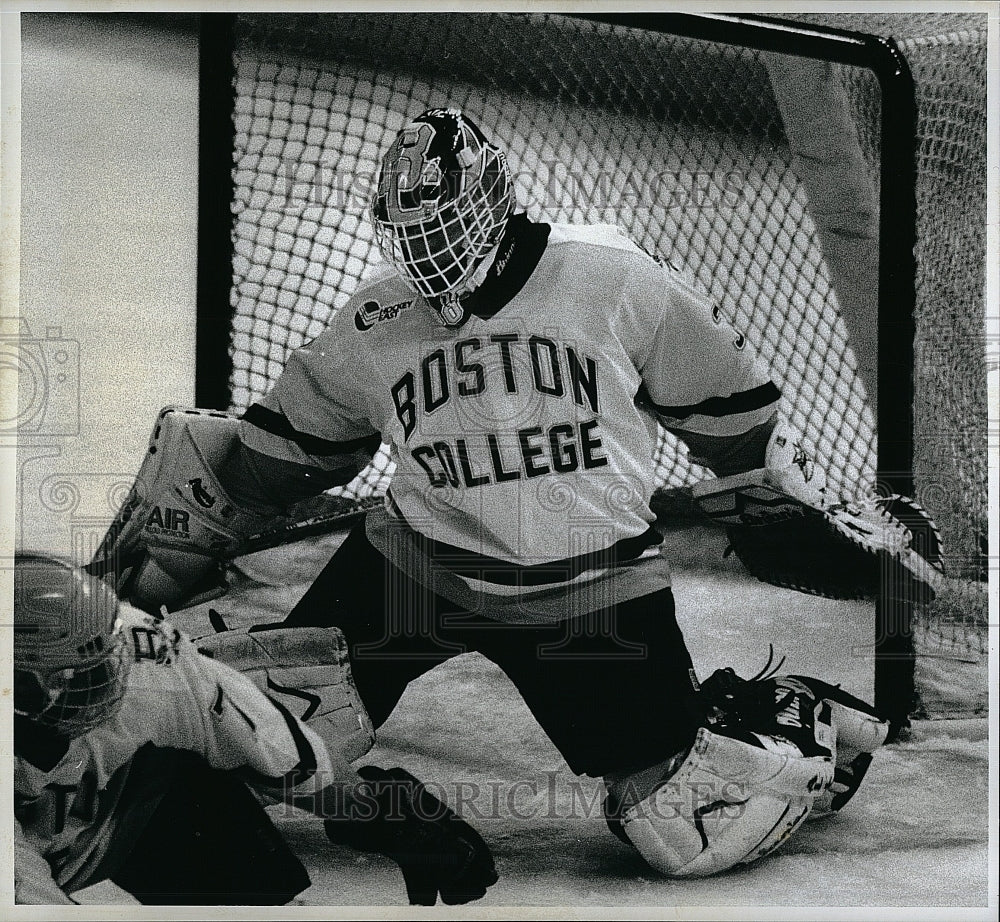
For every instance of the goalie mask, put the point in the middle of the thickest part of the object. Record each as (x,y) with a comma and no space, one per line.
(70,660)
(444,196)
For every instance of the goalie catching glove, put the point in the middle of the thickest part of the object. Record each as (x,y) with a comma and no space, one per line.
(786,531)
(177,523)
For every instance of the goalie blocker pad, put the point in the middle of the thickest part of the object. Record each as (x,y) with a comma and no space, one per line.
(845,550)
(177,523)
(308,670)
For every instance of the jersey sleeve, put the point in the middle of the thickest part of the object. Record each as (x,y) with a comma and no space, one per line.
(33,880)
(699,375)
(311,432)
(317,414)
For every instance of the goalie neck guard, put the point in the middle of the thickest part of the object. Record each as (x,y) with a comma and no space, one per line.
(444,197)
(70,661)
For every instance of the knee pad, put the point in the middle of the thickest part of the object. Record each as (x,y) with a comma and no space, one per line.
(728,802)
(308,669)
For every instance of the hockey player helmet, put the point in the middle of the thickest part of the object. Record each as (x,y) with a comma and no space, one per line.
(70,659)
(443,199)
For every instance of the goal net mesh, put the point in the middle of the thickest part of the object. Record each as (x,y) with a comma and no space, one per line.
(678,141)
(946,53)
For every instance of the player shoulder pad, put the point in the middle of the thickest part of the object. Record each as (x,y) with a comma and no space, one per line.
(610,236)
(380,274)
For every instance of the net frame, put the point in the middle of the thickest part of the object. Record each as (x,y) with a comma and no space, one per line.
(897,266)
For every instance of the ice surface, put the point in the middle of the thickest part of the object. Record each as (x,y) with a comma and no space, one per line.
(915,834)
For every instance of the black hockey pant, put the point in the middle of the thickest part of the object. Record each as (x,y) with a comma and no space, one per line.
(613,689)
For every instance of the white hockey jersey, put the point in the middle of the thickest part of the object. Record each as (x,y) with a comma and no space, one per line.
(176,698)
(526,435)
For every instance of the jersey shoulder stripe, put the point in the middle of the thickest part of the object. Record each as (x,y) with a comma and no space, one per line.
(278,424)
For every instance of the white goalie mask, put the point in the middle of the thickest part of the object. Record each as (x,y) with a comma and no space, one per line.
(70,659)
(444,196)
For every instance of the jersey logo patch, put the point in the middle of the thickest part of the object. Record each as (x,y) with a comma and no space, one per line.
(371,312)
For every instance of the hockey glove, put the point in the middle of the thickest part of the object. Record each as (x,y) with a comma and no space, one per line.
(437,852)
(788,532)
(307,669)
(177,523)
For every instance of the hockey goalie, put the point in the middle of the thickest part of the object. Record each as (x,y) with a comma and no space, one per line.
(523,363)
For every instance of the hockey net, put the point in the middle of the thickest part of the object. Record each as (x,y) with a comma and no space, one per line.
(947,54)
(684,144)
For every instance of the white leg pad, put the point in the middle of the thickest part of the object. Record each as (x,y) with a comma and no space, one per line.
(856,730)
(858,736)
(308,670)
(728,803)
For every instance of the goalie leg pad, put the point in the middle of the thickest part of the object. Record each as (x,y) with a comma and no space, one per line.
(308,669)
(727,803)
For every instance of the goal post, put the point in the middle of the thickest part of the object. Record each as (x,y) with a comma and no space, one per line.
(686,130)
(213,365)
(892,267)
(895,296)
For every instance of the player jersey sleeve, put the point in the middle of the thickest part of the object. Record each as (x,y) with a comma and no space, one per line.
(317,414)
(699,375)
(33,880)
(312,431)
(197,703)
